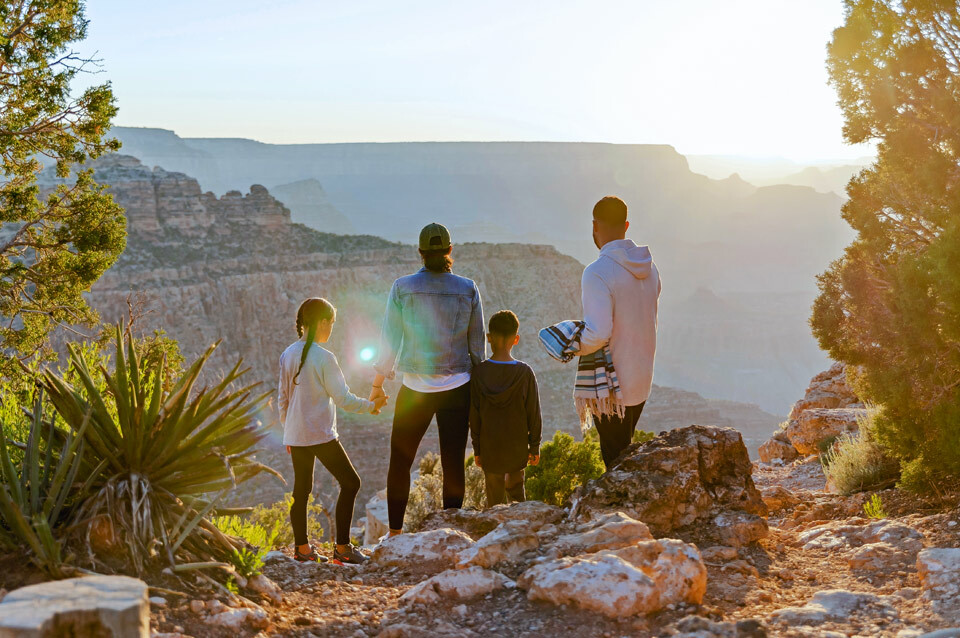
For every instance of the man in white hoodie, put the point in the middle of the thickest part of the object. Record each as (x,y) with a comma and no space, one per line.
(620,291)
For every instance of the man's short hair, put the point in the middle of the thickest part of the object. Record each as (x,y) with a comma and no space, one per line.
(504,324)
(611,210)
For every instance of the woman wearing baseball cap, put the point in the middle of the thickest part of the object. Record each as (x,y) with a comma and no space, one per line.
(433,335)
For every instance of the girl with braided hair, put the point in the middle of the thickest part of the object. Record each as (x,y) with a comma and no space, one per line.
(310,389)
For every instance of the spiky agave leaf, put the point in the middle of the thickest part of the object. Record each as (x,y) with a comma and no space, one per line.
(162,448)
(34,497)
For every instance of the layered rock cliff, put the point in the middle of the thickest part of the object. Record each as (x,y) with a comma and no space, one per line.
(235,268)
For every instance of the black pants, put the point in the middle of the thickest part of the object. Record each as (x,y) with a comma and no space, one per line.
(616,433)
(411,419)
(335,459)
(501,486)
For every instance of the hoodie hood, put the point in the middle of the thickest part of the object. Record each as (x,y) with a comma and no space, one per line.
(636,259)
(498,382)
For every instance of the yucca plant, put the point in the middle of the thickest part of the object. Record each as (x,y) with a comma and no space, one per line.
(165,449)
(38,497)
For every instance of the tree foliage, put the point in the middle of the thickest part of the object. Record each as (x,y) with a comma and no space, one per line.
(891,304)
(55,242)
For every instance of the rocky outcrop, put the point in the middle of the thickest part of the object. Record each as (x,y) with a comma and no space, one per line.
(639,579)
(778,448)
(692,474)
(827,390)
(828,409)
(456,584)
(440,546)
(939,571)
(89,607)
(816,426)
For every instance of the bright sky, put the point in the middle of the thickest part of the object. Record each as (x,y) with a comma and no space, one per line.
(743,77)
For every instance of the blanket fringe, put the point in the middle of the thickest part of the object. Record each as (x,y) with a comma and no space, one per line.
(590,408)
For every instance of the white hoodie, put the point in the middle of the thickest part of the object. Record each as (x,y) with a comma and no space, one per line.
(620,293)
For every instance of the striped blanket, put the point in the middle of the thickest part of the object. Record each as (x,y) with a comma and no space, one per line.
(597,391)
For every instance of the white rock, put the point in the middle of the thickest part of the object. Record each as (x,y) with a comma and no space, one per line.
(108,605)
(158,601)
(276,556)
(422,547)
(831,605)
(266,587)
(880,557)
(939,571)
(197,606)
(642,578)
(856,532)
(737,529)
(506,542)
(237,619)
(377,525)
(535,514)
(457,584)
(612,531)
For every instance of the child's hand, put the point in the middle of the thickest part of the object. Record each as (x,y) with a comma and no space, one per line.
(476,459)
(378,403)
(533,459)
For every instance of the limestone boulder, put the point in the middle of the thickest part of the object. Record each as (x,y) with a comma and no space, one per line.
(778,449)
(814,426)
(240,619)
(829,389)
(88,607)
(507,542)
(700,627)
(639,579)
(612,531)
(939,571)
(377,524)
(738,528)
(456,584)
(476,524)
(778,498)
(680,477)
(439,546)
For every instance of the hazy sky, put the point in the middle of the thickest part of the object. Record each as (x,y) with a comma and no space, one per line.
(735,77)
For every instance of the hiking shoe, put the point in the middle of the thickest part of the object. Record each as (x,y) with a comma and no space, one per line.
(352,556)
(311,557)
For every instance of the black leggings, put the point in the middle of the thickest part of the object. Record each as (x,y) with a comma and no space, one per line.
(616,433)
(411,419)
(335,459)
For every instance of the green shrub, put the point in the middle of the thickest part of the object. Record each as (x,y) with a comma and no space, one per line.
(276,517)
(161,448)
(642,436)
(565,464)
(426,493)
(874,508)
(856,462)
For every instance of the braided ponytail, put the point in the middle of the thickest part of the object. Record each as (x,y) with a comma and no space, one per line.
(309,315)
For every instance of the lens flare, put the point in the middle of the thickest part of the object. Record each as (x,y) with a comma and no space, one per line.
(367,354)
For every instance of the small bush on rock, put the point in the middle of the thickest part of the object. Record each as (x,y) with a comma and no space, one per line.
(856,462)
(874,508)
(426,493)
(565,464)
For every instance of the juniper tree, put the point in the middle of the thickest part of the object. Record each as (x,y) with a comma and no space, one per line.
(891,304)
(53,246)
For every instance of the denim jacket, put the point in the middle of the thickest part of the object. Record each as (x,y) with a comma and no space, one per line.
(433,325)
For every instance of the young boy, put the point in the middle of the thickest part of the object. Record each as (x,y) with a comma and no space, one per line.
(504,413)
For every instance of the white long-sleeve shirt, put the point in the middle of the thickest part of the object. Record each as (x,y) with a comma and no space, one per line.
(308,410)
(620,293)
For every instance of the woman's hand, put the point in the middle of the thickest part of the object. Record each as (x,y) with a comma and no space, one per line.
(288,449)
(533,459)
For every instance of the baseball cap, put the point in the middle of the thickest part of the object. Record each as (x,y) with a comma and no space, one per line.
(434,237)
